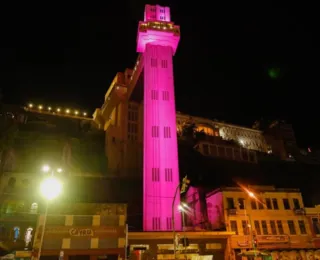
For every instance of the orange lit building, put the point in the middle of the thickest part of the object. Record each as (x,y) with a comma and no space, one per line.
(313,216)
(265,220)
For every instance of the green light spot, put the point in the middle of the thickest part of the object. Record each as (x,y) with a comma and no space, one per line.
(274,73)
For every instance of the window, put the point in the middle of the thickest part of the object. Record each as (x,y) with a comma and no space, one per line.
(230,203)
(16,233)
(245,227)
(268,202)
(156,223)
(296,204)
(168,174)
(280,227)
(28,236)
(292,229)
(302,227)
(154,94)
(260,205)
(205,149)
(167,132)
(153,62)
(164,64)
(253,204)
(273,227)
(241,203)
(275,204)
(286,204)
(165,95)
(161,17)
(264,227)
(316,226)
(234,226)
(155,174)
(257,227)
(169,223)
(155,131)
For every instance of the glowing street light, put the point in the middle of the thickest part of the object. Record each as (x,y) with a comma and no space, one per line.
(45,168)
(51,188)
(40,107)
(30,105)
(251,194)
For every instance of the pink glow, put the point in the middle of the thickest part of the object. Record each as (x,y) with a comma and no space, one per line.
(160,163)
(156,13)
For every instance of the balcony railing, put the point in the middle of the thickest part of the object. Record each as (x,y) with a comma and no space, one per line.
(299,211)
(232,212)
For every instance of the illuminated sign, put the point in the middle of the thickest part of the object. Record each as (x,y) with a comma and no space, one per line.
(84,232)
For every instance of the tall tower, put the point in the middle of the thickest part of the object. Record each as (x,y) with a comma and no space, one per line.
(157,40)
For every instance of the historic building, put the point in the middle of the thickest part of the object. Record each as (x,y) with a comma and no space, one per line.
(266,220)
(313,216)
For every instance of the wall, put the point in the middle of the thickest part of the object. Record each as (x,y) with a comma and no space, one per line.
(215,209)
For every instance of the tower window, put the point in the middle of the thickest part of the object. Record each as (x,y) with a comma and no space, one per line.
(153,62)
(164,63)
(156,223)
(169,223)
(154,95)
(165,95)
(167,133)
(155,131)
(155,174)
(161,17)
(168,174)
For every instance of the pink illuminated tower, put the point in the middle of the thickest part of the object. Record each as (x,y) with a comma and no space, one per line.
(157,40)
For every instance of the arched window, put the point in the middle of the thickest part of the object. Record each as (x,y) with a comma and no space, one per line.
(34,208)
(16,233)
(28,236)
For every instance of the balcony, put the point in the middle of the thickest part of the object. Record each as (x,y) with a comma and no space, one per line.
(232,212)
(299,211)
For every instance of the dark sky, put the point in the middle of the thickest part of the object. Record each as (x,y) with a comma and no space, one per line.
(69,54)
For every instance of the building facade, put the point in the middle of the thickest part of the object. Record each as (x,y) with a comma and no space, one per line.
(313,216)
(266,221)
(88,231)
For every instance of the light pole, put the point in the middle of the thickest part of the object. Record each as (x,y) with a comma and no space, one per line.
(50,188)
(184,185)
(183,207)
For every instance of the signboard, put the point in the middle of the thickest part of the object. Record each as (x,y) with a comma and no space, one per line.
(97,231)
(272,239)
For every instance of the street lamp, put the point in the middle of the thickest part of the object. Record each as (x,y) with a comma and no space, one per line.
(183,207)
(50,189)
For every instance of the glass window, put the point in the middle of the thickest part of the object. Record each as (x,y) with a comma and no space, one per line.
(273,227)
(253,204)
(292,229)
(264,227)
(316,226)
(280,227)
(275,204)
(245,227)
(296,204)
(230,203)
(241,203)
(286,204)
(268,202)
(234,226)
(302,227)
(257,227)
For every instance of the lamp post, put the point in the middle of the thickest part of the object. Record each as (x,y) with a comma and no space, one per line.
(184,185)
(183,207)
(50,188)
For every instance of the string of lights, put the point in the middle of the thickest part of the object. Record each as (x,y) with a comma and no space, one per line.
(58,110)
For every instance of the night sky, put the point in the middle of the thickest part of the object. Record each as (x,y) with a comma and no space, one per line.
(68,55)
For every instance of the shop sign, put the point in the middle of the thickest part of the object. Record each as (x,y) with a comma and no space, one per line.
(272,239)
(84,232)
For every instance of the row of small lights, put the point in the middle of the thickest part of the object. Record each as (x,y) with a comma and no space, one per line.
(58,110)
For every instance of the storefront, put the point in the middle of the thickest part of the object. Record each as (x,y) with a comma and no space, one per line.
(84,236)
(159,245)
